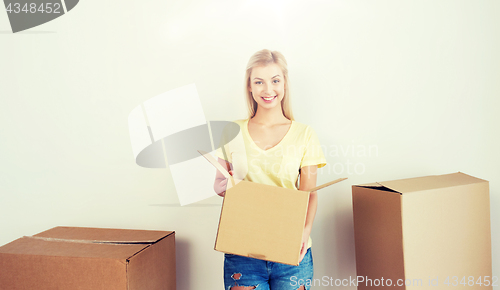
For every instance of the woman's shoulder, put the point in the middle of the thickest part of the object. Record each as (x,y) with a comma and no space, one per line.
(233,127)
(303,128)
(236,123)
(240,121)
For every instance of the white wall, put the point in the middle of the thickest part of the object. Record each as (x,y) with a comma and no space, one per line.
(417,82)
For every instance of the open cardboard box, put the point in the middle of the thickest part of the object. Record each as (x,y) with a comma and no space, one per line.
(425,231)
(262,221)
(90,258)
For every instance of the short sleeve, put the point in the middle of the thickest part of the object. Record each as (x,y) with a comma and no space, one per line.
(313,153)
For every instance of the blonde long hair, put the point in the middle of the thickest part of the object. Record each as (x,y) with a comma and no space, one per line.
(262,58)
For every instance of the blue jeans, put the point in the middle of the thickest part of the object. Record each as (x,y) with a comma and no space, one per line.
(245,271)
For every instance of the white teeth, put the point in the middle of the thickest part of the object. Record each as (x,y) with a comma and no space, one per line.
(268,98)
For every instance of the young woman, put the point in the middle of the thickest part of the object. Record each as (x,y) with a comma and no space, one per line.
(275,150)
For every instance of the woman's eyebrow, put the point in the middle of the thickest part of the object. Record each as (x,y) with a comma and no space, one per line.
(263,79)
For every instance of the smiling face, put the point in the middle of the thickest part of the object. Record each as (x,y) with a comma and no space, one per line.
(267,86)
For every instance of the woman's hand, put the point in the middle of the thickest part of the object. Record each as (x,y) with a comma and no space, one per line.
(220,182)
(222,185)
(305,241)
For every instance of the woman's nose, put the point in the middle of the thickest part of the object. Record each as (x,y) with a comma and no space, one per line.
(268,89)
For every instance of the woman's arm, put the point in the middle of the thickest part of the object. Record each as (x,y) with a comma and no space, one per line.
(307,181)
(221,181)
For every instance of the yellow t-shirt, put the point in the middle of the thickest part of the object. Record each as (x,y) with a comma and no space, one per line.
(278,165)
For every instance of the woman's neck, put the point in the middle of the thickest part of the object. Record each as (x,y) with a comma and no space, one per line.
(270,117)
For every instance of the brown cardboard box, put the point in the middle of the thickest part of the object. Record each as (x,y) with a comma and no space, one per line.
(425,230)
(69,258)
(262,221)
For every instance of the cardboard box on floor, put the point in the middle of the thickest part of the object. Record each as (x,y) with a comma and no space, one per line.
(262,221)
(90,258)
(424,230)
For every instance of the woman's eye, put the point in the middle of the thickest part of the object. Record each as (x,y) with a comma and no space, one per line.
(276,81)
(258,83)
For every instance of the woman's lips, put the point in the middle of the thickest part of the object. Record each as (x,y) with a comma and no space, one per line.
(268,100)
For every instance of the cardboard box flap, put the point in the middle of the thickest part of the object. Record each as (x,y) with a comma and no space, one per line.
(227,175)
(370,185)
(326,184)
(64,248)
(405,186)
(377,186)
(100,235)
(86,242)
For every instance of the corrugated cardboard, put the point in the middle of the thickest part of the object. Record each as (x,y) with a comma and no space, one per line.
(424,230)
(262,221)
(90,258)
